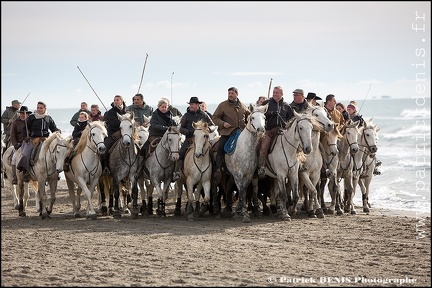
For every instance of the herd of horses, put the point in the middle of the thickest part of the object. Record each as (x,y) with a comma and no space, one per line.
(303,157)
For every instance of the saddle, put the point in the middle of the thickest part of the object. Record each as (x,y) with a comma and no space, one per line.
(152,147)
(35,153)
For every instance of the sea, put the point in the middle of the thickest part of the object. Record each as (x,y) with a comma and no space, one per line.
(404,147)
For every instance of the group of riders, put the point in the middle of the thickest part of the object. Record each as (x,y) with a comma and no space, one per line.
(24,129)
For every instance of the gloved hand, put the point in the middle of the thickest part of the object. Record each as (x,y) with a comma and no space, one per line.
(274,112)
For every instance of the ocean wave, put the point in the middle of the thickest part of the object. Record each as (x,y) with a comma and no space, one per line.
(415,130)
(415,113)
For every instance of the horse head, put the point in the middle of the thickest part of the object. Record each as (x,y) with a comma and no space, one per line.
(369,136)
(127,128)
(257,118)
(304,126)
(322,116)
(141,135)
(201,137)
(96,134)
(57,147)
(171,142)
(351,133)
(331,139)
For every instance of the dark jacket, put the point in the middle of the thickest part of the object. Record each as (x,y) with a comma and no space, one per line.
(111,119)
(7,115)
(189,117)
(299,108)
(278,113)
(79,128)
(40,127)
(160,122)
(17,132)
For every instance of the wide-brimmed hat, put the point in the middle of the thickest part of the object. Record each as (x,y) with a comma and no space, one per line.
(24,109)
(194,100)
(311,96)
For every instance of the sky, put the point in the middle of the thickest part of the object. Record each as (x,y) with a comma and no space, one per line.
(64,52)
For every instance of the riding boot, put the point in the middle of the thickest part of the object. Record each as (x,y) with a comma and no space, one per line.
(176,174)
(105,164)
(14,176)
(261,166)
(218,174)
(26,177)
(66,164)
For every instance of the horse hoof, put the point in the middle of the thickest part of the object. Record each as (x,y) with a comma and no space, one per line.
(330,211)
(353,212)
(366,210)
(311,214)
(116,214)
(190,217)
(22,214)
(45,215)
(266,211)
(77,215)
(92,216)
(177,212)
(17,207)
(320,215)
(245,218)
(339,212)
(134,215)
(286,217)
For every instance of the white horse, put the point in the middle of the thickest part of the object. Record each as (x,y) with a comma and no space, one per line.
(243,162)
(47,167)
(197,171)
(309,178)
(347,147)
(367,157)
(123,164)
(284,159)
(160,164)
(85,167)
(7,165)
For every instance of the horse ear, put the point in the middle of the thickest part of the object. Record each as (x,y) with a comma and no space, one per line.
(212,128)
(131,115)
(297,115)
(194,125)
(119,117)
(146,119)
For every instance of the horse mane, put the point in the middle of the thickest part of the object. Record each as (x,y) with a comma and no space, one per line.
(202,125)
(83,139)
(51,138)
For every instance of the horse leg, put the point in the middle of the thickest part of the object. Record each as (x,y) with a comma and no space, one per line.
(116,198)
(241,208)
(150,189)
(53,190)
(135,209)
(255,204)
(348,185)
(292,210)
(178,187)
(207,197)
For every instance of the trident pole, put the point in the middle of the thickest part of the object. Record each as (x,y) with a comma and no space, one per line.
(142,74)
(365,98)
(268,94)
(171,88)
(92,88)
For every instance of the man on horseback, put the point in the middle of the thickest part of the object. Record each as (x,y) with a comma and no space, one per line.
(17,136)
(39,125)
(140,109)
(278,113)
(8,116)
(299,103)
(113,128)
(230,116)
(193,114)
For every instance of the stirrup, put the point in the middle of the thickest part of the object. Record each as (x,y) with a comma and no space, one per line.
(106,171)
(217,177)
(176,176)
(261,172)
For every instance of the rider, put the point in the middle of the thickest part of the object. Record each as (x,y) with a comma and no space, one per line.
(230,116)
(278,113)
(83,120)
(17,136)
(140,108)
(39,125)
(160,121)
(113,128)
(8,116)
(193,114)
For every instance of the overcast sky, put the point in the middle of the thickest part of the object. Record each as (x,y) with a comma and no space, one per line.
(201,49)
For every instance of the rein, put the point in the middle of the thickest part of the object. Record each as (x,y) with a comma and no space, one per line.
(167,151)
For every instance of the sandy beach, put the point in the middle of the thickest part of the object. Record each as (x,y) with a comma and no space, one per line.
(384,248)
